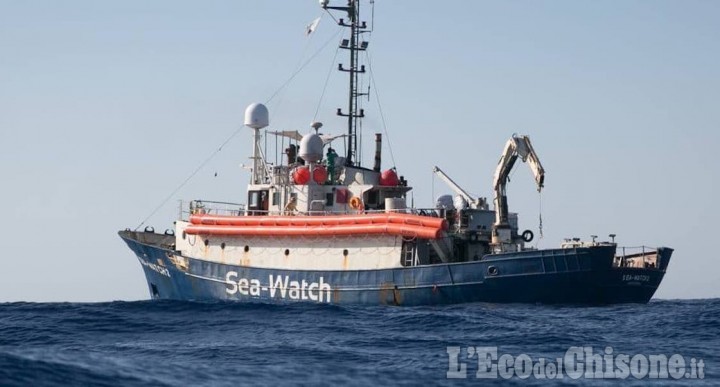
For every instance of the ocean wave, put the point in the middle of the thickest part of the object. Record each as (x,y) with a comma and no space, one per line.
(221,343)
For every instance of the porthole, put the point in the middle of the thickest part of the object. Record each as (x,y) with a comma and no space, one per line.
(207,242)
(287,252)
(222,245)
(345,252)
(247,248)
(492,270)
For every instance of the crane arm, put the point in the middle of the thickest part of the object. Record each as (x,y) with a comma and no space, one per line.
(517,146)
(533,162)
(473,202)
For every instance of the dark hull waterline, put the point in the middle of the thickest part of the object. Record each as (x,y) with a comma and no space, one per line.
(582,275)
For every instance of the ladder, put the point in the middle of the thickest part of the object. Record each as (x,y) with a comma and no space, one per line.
(408,254)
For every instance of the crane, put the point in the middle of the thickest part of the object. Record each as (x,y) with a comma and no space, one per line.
(517,146)
(474,203)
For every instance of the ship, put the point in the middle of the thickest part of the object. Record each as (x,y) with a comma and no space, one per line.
(319,227)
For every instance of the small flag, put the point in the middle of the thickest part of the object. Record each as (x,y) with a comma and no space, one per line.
(310,28)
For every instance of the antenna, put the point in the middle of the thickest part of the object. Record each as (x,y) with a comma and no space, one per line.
(354,45)
(257,117)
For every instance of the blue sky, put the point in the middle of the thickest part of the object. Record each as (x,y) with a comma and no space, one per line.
(105,107)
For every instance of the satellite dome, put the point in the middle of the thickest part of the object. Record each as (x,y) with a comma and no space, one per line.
(311,148)
(257,116)
(460,203)
(444,202)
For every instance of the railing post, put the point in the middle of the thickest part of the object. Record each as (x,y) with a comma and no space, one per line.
(643,255)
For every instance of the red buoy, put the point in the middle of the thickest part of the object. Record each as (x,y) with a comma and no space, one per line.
(320,174)
(301,175)
(389,178)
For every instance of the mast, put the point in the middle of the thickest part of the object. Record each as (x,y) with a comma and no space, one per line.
(355,45)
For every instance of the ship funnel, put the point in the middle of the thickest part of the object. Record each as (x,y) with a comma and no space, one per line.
(257,116)
(378,151)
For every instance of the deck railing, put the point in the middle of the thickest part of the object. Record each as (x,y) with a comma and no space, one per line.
(213,207)
(191,207)
(636,257)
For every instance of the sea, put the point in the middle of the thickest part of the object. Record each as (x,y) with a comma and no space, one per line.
(171,343)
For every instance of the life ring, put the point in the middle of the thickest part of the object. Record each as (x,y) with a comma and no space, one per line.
(356,203)
(527,235)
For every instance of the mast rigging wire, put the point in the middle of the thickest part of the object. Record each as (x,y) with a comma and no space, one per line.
(309,34)
(212,156)
(287,82)
(207,160)
(327,80)
(382,115)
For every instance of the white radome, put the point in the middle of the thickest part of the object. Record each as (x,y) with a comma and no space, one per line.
(311,148)
(257,116)
(460,203)
(444,202)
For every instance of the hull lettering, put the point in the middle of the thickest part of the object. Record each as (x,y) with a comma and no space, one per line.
(279,287)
